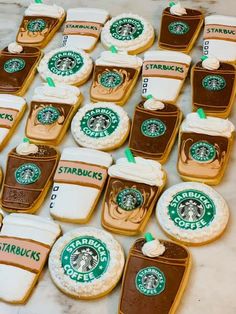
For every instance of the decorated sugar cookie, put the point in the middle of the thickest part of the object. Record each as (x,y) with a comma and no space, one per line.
(103,126)
(86,263)
(192,213)
(83,27)
(25,242)
(39,24)
(156,274)
(17,68)
(66,65)
(220,37)
(128,32)
(180,27)
(78,182)
(28,177)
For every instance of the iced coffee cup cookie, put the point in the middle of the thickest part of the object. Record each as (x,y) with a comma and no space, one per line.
(192,213)
(164,73)
(86,263)
(12,109)
(78,182)
(25,243)
(83,27)
(205,144)
(220,37)
(66,65)
(39,24)
(29,174)
(17,68)
(103,126)
(51,111)
(180,27)
(114,77)
(155,277)
(128,32)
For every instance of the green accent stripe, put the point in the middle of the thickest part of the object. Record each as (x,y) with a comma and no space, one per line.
(129,155)
(201,113)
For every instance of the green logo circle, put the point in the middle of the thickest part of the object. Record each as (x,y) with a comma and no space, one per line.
(65,63)
(153,128)
(191,209)
(37,25)
(27,174)
(214,82)
(202,152)
(110,79)
(126,29)
(85,259)
(14,65)
(150,281)
(99,122)
(129,199)
(178,28)
(48,115)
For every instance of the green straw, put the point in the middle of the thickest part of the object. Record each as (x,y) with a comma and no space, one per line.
(149,237)
(201,113)
(204,58)
(113,49)
(26,140)
(171,3)
(149,96)
(50,82)
(38,1)
(129,155)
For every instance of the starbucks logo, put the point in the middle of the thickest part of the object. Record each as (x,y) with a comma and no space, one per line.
(126,29)
(14,65)
(214,82)
(191,209)
(178,28)
(48,115)
(37,25)
(65,63)
(153,128)
(129,199)
(99,122)
(85,259)
(27,174)
(150,281)
(202,152)
(110,79)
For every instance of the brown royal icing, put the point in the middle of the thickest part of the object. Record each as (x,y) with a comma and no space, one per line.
(27,177)
(172,267)
(177,32)
(15,68)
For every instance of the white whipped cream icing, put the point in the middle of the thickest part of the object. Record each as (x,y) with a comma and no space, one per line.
(143,171)
(14,48)
(177,9)
(26,148)
(153,248)
(120,59)
(40,9)
(153,104)
(210,125)
(211,63)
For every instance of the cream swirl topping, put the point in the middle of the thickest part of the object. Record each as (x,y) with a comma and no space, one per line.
(120,58)
(14,48)
(211,63)
(40,9)
(177,9)
(153,248)
(153,104)
(26,148)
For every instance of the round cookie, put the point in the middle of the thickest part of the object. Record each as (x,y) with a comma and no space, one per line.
(192,213)
(66,65)
(86,263)
(102,125)
(128,32)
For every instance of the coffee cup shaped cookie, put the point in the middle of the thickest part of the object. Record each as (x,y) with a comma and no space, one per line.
(164,73)
(104,126)
(180,28)
(128,32)
(12,109)
(205,144)
(86,263)
(17,68)
(66,65)
(29,174)
(133,188)
(155,277)
(213,86)
(51,111)
(78,182)
(26,241)
(192,213)
(154,129)
(220,37)
(39,24)
(83,27)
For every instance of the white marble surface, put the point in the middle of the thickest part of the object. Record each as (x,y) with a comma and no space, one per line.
(212,284)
